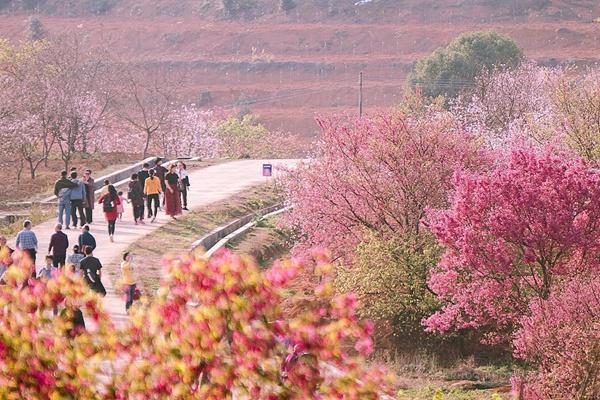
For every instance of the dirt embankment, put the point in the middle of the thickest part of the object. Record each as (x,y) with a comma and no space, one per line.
(290,67)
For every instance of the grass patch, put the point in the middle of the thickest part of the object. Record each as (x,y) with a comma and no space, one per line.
(179,235)
(265,242)
(421,377)
(36,214)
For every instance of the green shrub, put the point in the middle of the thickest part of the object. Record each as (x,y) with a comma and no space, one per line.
(287,5)
(447,71)
(390,279)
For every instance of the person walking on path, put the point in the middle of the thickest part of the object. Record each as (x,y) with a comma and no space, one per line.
(121,205)
(172,196)
(89,196)
(91,268)
(184,182)
(86,239)
(62,190)
(127,279)
(27,242)
(59,243)
(74,260)
(77,199)
(160,173)
(109,202)
(5,258)
(152,189)
(135,194)
(144,174)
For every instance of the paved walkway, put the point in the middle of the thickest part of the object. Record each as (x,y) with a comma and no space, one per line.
(208,185)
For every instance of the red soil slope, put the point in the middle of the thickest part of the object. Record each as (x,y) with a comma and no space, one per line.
(289,68)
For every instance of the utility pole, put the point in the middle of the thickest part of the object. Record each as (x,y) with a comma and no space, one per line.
(360,95)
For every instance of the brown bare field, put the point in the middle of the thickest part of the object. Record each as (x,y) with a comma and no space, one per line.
(290,68)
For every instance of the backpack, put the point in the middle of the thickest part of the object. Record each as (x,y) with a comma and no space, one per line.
(107,204)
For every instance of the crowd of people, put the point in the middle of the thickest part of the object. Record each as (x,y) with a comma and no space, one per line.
(148,191)
(81,260)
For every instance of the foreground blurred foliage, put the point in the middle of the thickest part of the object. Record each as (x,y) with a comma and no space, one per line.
(215,331)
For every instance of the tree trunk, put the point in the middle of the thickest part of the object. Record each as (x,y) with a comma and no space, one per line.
(31,168)
(20,171)
(147,144)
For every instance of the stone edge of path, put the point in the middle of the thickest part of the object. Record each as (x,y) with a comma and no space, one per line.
(221,235)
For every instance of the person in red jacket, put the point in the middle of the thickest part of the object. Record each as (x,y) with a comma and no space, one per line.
(109,202)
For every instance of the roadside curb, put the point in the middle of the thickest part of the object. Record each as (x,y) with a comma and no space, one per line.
(219,237)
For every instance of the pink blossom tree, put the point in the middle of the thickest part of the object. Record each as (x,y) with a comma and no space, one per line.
(377,173)
(146,98)
(560,341)
(511,236)
(511,106)
(190,132)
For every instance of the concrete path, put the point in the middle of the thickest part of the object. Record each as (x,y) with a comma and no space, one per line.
(208,185)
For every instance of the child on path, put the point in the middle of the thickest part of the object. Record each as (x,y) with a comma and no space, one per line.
(46,271)
(120,208)
(74,260)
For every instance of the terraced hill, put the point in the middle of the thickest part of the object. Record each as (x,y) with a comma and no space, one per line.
(290,66)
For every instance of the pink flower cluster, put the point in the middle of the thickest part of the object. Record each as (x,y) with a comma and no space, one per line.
(511,235)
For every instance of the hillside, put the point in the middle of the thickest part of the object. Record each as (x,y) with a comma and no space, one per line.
(287,67)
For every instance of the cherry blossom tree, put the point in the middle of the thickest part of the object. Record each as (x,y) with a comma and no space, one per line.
(560,341)
(76,116)
(511,106)
(191,132)
(146,100)
(511,236)
(376,173)
(21,88)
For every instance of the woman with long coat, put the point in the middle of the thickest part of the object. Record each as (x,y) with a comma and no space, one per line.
(89,194)
(172,196)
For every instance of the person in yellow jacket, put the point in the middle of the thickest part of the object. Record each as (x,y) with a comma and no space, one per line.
(127,279)
(152,189)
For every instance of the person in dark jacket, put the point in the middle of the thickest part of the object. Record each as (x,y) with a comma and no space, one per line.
(86,239)
(89,195)
(91,268)
(77,199)
(62,189)
(59,243)
(135,194)
(144,174)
